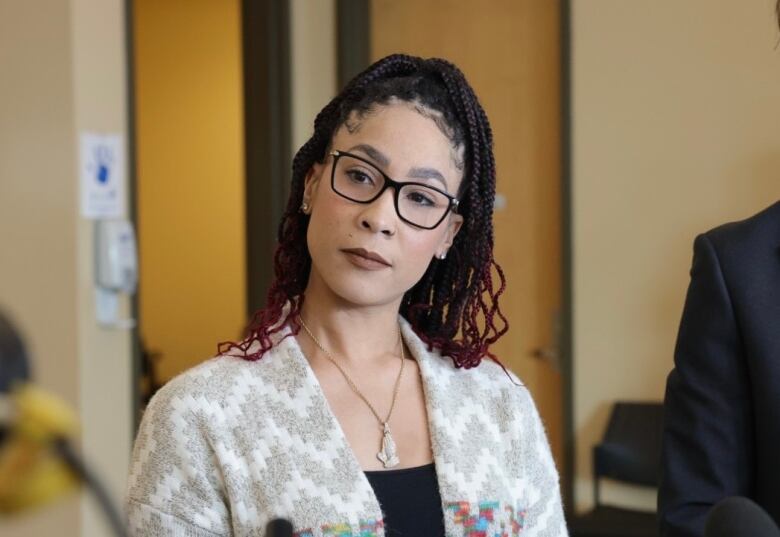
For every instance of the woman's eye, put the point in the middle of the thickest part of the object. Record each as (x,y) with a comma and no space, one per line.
(357,176)
(422,199)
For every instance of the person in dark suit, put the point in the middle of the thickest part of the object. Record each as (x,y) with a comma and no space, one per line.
(722,407)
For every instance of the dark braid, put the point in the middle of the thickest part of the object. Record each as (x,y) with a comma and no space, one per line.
(454,307)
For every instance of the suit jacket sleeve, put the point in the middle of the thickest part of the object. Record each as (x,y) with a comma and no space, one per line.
(707,443)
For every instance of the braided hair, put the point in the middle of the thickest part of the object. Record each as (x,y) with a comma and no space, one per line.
(454,306)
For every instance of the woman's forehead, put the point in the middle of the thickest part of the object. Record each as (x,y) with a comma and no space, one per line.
(399,136)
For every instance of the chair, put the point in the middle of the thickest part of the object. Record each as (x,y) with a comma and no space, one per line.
(629,452)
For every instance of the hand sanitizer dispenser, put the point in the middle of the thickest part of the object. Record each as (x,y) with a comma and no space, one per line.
(116,271)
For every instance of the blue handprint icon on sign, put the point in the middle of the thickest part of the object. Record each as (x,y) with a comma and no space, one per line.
(103,162)
(102,175)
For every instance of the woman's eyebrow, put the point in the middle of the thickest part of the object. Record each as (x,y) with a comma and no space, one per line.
(415,173)
(427,173)
(373,153)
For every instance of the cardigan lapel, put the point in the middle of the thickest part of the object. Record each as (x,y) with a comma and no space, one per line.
(362,506)
(468,444)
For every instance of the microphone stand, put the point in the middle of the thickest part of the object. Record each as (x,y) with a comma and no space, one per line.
(76,464)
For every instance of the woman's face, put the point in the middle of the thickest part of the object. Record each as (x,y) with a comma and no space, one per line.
(364,253)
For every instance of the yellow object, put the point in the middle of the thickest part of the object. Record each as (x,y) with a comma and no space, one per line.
(31,472)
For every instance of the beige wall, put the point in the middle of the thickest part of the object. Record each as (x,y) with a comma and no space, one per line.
(676,128)
(189,97)
(313,64)
(100,96)
(61,73)
(37,209)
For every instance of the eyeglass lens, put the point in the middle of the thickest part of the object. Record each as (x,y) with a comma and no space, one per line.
(361,182)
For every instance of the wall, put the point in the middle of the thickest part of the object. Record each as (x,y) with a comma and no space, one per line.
(676,115)
(312,64)
(190,177)
(62,73)
(36,117)
(100,96)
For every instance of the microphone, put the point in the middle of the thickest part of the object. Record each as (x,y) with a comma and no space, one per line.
(30,474)
(37,461)
(279,527)
(739,517)
(14,366)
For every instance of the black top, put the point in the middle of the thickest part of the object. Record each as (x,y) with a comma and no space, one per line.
(410,501)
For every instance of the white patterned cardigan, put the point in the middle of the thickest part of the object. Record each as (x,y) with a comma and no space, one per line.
(231,444)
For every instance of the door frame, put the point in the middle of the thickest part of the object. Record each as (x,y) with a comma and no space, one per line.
(265,34)
(136,365)
(567,274)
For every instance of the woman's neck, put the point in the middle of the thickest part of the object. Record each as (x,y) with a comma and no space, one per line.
(355,335)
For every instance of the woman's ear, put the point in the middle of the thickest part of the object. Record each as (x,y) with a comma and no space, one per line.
(311,182)
(453,226)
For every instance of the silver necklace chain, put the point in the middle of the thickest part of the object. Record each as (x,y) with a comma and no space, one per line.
(387,455)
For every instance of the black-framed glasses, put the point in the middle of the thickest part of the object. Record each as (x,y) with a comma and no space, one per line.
(356,179)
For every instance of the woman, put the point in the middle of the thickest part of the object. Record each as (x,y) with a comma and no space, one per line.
(355,407)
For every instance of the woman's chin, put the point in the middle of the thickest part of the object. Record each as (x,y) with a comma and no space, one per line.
(352,288)
(365,296)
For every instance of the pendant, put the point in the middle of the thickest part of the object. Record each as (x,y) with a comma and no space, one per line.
(387,454)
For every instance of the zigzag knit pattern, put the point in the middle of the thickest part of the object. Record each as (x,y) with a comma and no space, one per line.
(231,444)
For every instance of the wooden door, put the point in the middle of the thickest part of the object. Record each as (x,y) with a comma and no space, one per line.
(510,53)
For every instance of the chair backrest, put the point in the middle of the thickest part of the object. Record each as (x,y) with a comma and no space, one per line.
(631,448)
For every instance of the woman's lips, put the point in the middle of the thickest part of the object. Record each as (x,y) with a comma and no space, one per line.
(366,260)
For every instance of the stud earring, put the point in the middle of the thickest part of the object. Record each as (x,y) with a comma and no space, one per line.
(305,208)
(443,256)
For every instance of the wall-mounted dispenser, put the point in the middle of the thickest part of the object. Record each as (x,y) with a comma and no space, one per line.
(116,270)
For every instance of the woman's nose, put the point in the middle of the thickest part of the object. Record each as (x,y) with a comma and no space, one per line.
(379,216)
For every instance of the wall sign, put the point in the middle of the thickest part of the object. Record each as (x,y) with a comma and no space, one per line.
(102,170)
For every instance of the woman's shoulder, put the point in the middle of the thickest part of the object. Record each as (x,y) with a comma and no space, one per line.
(489,383)
(489,378)
(489,373)
(217,380)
